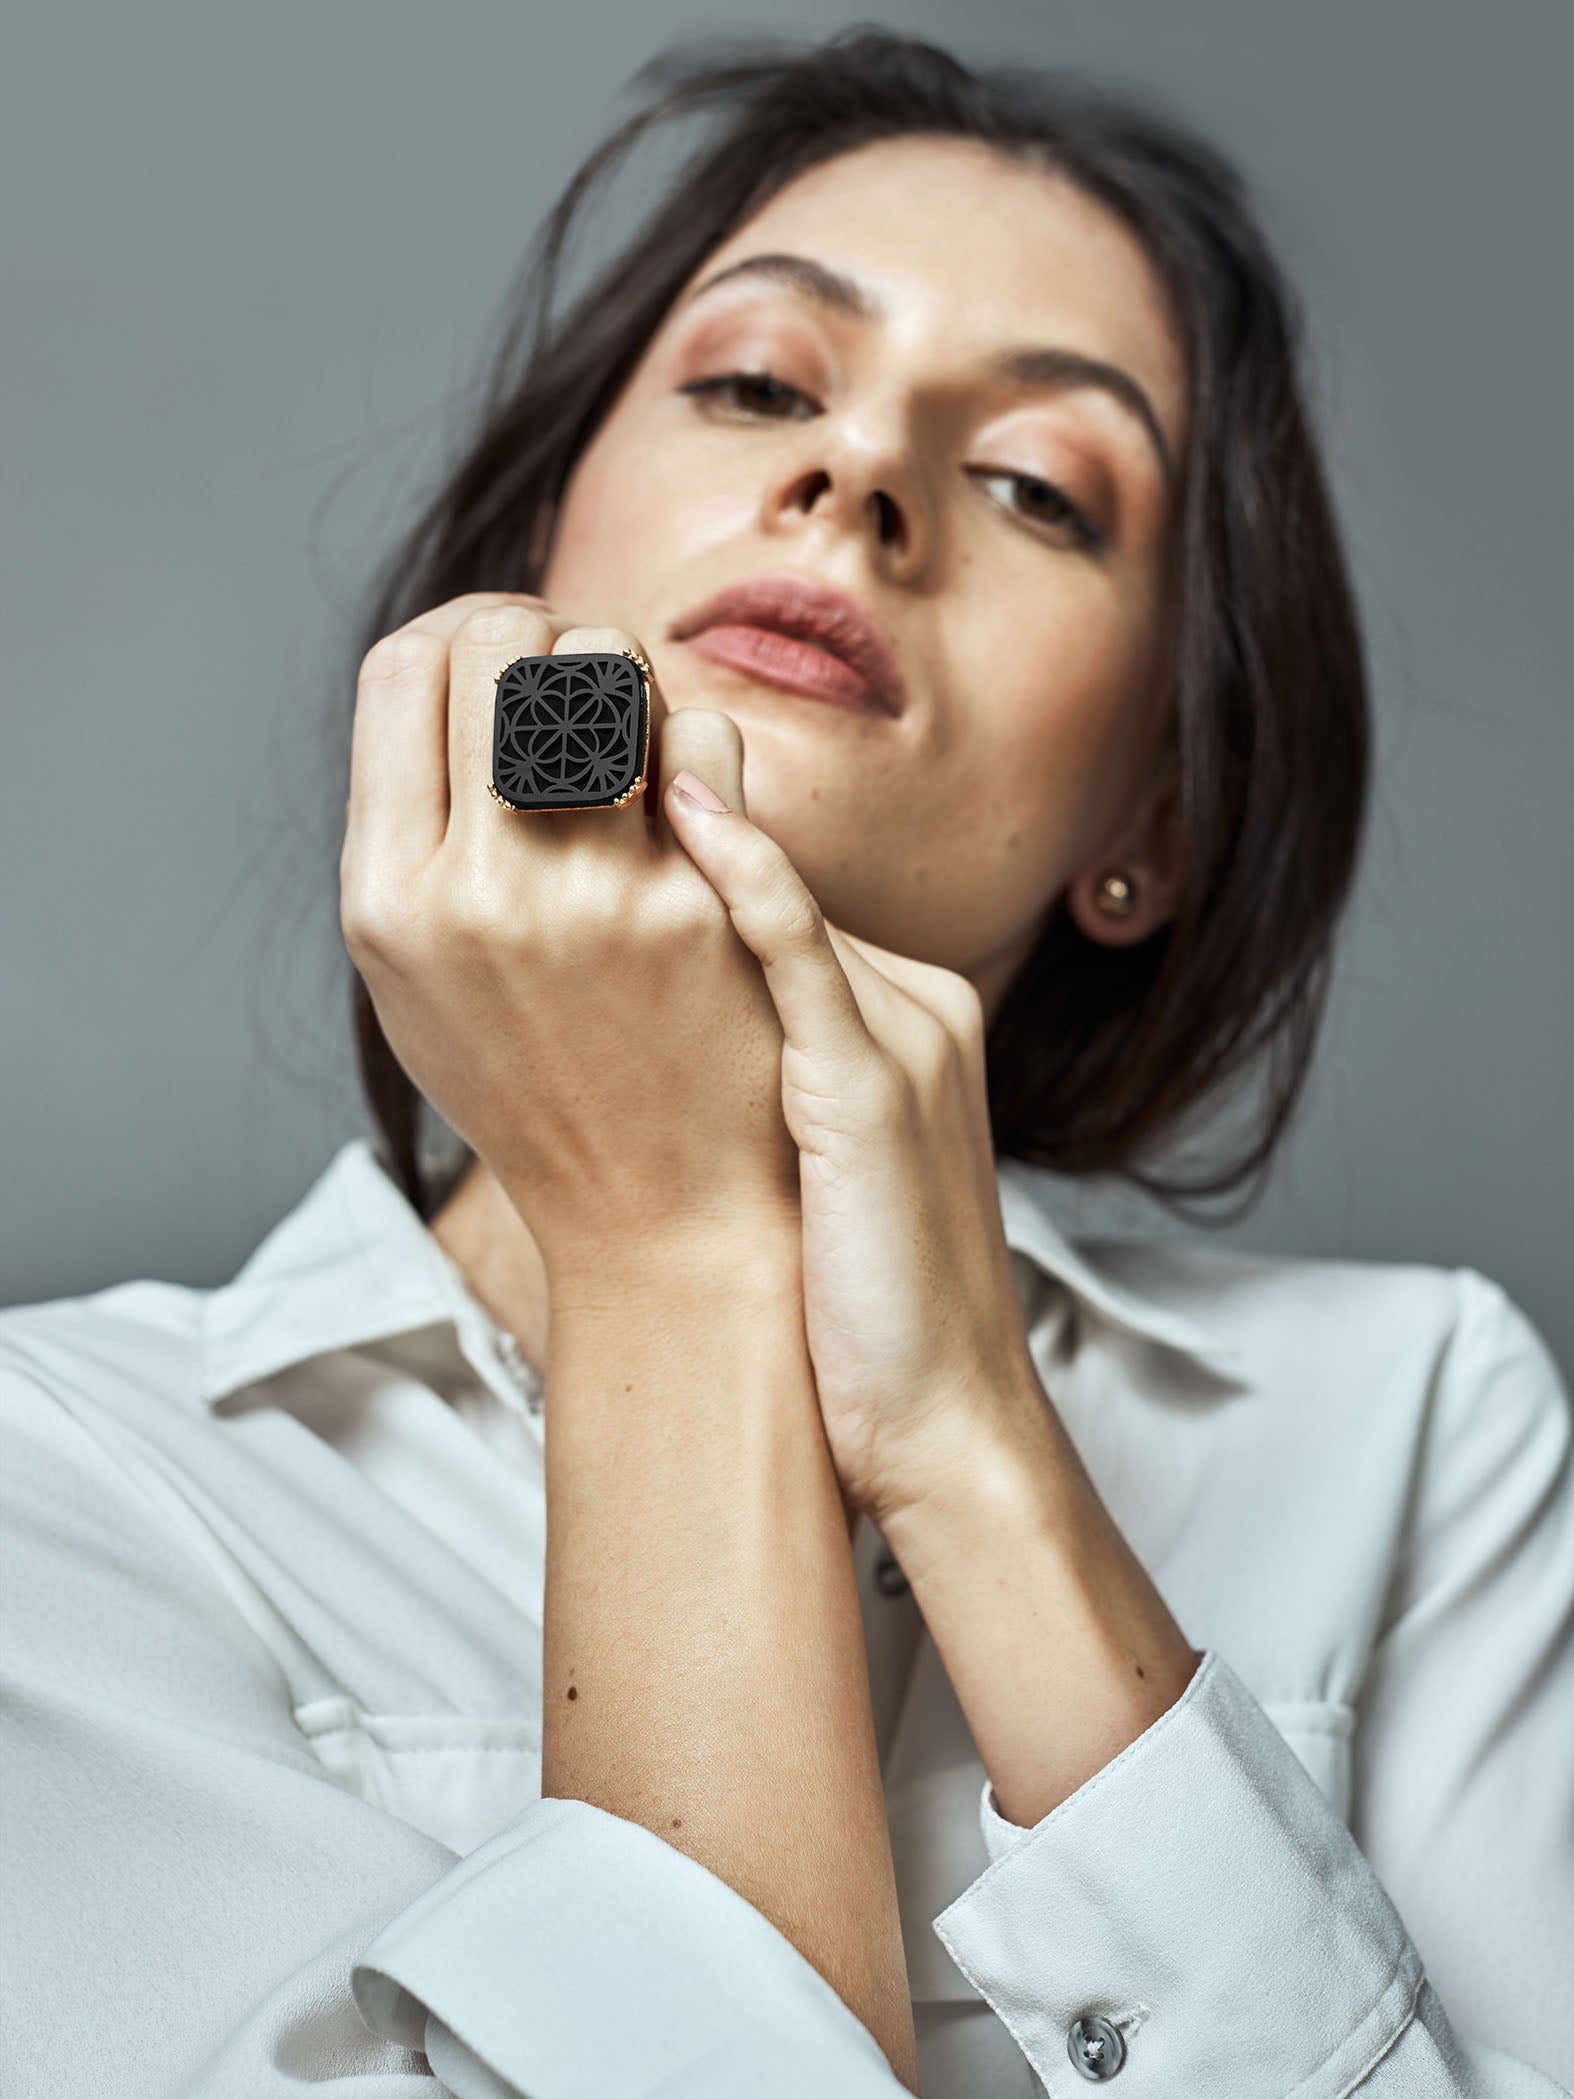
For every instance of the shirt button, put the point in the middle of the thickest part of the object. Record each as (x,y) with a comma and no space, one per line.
(509,1353)
(888,1576)
(1095,2046)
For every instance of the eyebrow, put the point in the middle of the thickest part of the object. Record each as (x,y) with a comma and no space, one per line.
(1051,368)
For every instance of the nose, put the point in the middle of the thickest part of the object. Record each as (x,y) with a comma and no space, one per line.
(868,487)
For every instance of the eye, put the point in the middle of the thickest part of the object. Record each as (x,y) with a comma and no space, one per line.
(1047,505)
(727,388)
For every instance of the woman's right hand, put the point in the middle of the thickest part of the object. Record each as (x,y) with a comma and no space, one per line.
(565,988)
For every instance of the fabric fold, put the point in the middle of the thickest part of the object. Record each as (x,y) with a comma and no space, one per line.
(577,1954)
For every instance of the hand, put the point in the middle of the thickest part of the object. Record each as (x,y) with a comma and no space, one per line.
(565,987)
(910,1307)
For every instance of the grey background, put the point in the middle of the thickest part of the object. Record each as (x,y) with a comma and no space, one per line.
(252,260)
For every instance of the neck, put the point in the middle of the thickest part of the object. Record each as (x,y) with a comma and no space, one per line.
(489,1242)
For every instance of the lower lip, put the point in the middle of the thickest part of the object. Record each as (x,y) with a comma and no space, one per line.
(796,666)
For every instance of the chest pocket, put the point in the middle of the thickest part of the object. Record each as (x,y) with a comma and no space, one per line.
(457,1777)
(1319,1730)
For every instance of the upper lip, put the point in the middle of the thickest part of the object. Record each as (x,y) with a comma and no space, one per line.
(812,611)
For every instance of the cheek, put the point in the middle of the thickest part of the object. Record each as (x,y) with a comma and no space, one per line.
(603,512)
(634,509)
(1057,707)
(1059,742)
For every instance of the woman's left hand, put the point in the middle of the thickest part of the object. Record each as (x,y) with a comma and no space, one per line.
(910,1307)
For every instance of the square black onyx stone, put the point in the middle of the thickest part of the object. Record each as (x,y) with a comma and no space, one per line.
(570,732)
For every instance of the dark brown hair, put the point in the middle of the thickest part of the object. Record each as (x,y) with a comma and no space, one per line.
(1097,1055)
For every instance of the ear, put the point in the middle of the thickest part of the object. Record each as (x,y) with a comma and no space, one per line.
(1151,854)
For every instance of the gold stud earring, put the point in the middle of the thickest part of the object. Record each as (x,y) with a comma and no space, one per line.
(1117,894)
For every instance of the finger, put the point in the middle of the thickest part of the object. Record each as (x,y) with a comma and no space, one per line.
(881,996)
(778,919)
(707,743)
(399,788)
(482,646)
(885,981)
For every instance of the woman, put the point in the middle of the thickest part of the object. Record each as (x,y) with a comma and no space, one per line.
(951,1649)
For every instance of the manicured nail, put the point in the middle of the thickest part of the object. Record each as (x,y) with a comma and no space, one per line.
(694,789)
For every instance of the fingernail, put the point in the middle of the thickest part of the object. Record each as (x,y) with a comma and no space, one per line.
(693,789)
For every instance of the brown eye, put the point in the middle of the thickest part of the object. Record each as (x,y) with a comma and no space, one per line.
(731,388)
(1047,505)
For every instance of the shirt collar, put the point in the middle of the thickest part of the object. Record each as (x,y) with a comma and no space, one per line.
(1030,1229)
(354,1263)
(350,1264)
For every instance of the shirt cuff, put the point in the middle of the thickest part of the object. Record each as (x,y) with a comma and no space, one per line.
(577,1954)
(1201,1889)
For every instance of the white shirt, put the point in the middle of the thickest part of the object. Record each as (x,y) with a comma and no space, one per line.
(271,1682)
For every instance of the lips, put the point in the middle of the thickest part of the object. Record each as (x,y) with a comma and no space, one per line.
(796,632)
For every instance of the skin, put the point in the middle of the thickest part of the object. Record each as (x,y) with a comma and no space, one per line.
(948,834)
(739,1351)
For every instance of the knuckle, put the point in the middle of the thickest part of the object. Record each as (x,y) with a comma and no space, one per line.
(892,1093)
(477,598)
(473,915)
(710,722)
(491,910)
(405,653)
(963,1005)
(702,728)
(510,625)
(385,917)
(701,738)
(607,909)
(370,929)
(801,920)
(935,1047)
(590,640)
(795,914)
(677,905)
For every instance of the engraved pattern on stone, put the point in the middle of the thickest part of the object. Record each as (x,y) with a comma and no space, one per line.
(567,729)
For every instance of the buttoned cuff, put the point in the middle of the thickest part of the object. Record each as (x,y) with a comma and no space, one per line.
(576,1954)
(1200,1897)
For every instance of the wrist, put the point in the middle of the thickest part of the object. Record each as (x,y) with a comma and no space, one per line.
(996,1461)
(1060,1648)
(994,1478)
(711,1263)
(670,1352)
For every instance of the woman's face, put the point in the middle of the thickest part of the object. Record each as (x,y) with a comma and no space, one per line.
(1006,531)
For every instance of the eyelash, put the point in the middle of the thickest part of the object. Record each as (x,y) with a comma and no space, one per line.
(1086,534)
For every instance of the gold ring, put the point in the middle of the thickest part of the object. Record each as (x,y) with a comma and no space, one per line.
(537,755)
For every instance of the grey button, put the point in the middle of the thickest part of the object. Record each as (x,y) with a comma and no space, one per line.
(1095,2046)
(888,1576)
(525,1380)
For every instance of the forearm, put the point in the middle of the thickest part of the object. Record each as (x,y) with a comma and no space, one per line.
(1058,1645)
(704,1667)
